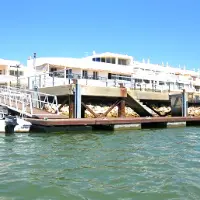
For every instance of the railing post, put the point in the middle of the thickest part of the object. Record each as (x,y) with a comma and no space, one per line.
(9,98)
(56,101)
(53,79)
(31,106)
(40,81)
(65,76)
(22,106)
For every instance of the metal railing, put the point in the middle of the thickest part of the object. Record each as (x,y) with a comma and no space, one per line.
(57,78)
(17,101)
(27,102)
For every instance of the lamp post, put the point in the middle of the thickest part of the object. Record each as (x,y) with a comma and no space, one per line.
(17,75)
(34,67)
(35,87)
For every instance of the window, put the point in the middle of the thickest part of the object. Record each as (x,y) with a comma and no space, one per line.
(98,59)
(85,74)
(0,71)
(53,69)
(108,60)
(68,73)
(161,83)
(146,81)
(95,75)
(113,60)
(122,62)
(103,60)
(12,73)
(21,73)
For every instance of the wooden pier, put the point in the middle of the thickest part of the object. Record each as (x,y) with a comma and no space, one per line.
(58,124)
(78,96)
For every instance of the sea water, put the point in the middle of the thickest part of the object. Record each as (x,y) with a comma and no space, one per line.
(152,164)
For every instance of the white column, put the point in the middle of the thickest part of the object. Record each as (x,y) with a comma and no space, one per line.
(116,61)
(65,79)
(7,70)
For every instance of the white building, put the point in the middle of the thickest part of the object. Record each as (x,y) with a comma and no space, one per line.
(8,71)
(98,68)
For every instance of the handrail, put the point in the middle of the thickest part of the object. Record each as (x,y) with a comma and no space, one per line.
(24,101)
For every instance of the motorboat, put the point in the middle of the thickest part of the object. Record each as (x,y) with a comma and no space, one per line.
(21,125)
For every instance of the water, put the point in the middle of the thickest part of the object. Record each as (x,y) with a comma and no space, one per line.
(147,164)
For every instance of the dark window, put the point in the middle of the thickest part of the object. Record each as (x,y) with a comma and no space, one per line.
(95,75)
(108,60)
(12,73)
(21,73)
(93,59)
(85,74)
(68,73)
(53,69)
(102,59)
(122,62)
(98,59)
(146,81)
(113,61)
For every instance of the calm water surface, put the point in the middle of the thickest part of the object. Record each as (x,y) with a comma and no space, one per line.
(148,164)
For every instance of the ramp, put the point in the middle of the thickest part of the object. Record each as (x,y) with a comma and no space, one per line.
(27,102)
(139,107)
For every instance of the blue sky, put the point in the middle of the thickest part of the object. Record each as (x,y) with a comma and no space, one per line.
(164,31)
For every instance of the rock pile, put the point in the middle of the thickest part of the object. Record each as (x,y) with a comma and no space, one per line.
(113,113)
(97,109)
(194,111)
(163,110)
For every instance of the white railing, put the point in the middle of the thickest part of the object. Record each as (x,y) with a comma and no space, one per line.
(59,78)
(17,101)
(26,102)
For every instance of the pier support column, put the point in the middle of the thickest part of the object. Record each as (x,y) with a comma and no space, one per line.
(184,104)
(179,104)
(77,100)
(121,108)
(83,109)
(71,107)
(35,97)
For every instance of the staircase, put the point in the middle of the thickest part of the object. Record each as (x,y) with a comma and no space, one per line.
(139,107)
(27,102)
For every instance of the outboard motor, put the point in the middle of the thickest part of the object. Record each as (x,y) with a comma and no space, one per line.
(10,123)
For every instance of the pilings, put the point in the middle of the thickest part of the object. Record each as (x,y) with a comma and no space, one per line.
(179,104)
(77,101)
(121,108)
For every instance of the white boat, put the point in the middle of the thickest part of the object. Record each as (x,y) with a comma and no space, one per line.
(22,127)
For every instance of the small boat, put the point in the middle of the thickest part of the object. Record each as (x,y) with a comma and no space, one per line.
(22,126)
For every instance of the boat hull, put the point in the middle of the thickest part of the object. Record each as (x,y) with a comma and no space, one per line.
(22,127)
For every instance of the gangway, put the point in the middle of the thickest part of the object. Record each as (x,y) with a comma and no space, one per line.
(28,102)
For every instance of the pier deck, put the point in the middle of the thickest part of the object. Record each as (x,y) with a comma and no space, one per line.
(110,121)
